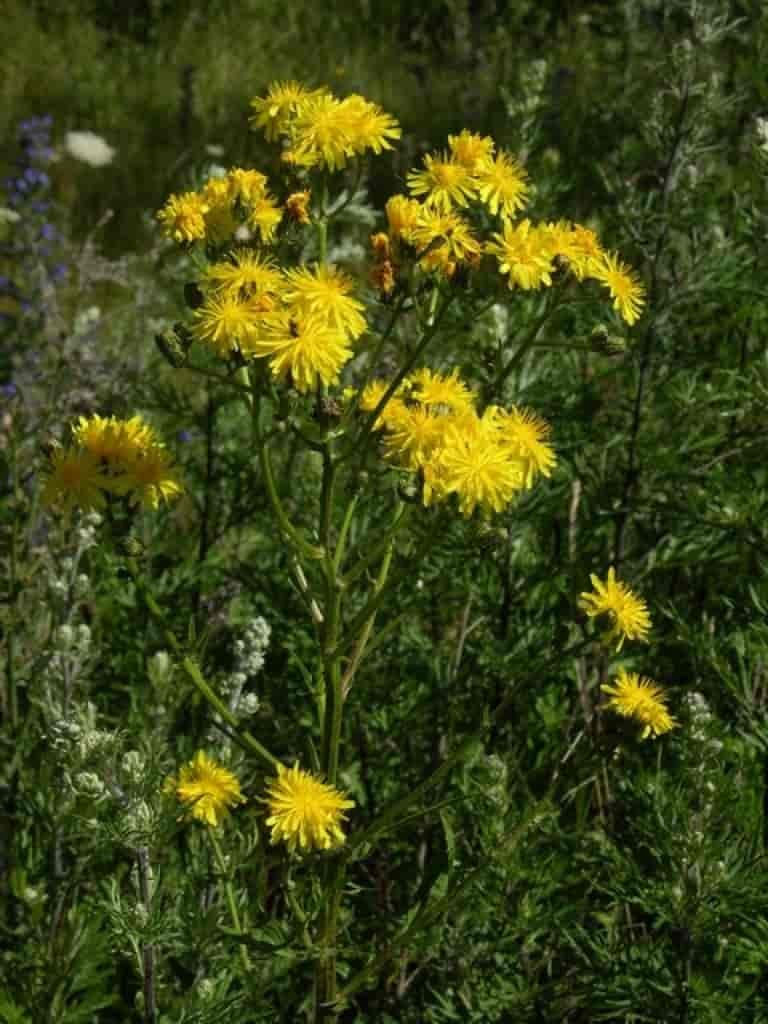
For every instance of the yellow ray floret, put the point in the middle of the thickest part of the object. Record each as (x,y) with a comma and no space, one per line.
(444,182)
(470,150)
(524,253)
(304,812)
(206,789)
(502,184)
(627,612)
(526,433)
(626,291)
(324,291)
(302,347)
(74,478)
(273,111)
(244,274)
(635,696)
(183,217)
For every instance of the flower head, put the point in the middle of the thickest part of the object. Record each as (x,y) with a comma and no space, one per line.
(74,478)
(305,812)
(635,696)
(628,613)
(183,217)
(89,148)
(225,322)
(324,291)
(150,478)
(472,465)
(524,253)
(402,215)
(469,149)
(625,288)
(526,434)
(444,182)
(207,789)
(502,184)
(431,388)
(302,346)
(273,111)
(244,274)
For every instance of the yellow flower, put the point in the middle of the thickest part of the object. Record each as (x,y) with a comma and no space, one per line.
(452,231)
(581,248)
(637,697)
(225,322)
(525,433)
(373,393)
(244,274)
(264,216)
(502,184)
(525,253)
(304,347)
(150,479)
(183,217)
(207,789)
(112,440)
(414,433)
(403,216)
(469,149)
(220,222)
(628,613)
(322,132)
(273,111)
(305,812)
(297,206)
(444,181)
(245,186)
(623,284)
(479,471)
(323,291)
(74,477)
(430,388)
(370,126)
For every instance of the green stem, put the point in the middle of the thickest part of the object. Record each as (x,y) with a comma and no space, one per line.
(241,736)
(229,893)
(290,534)
(530,338)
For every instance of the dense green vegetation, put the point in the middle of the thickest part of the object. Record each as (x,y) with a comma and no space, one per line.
(516,852)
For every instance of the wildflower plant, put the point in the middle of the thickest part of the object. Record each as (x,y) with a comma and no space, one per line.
(383,396)
(351,365)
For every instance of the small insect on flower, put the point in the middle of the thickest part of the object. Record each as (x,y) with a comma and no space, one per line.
(304,811)
(628,613)
(634,696)
(206,788)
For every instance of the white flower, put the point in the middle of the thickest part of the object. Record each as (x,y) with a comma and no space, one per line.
(90,148)
(8,216)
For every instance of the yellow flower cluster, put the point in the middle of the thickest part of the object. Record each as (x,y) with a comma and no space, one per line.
(302,320)
(238,199)
(432,426)
(319,129)
(436,221)
(631,695)
(304,812)
(110,456)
